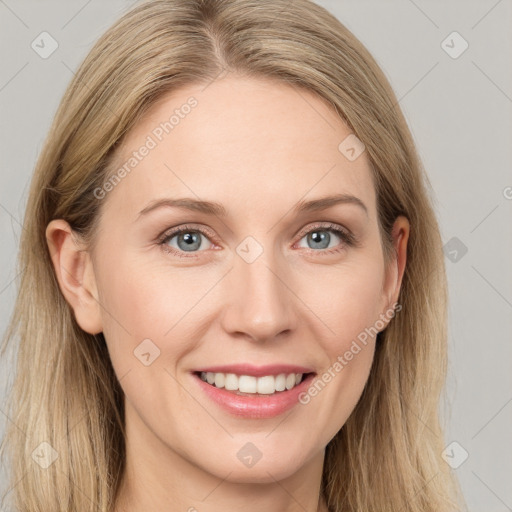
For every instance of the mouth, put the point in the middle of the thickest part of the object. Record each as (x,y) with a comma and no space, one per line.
(254,386)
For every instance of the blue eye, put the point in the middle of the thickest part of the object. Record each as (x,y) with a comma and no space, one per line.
(190,239)
(187,240)
(322,238)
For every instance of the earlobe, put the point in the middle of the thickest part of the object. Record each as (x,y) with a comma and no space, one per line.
(75,275)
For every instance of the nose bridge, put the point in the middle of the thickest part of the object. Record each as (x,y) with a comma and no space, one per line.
(260,304)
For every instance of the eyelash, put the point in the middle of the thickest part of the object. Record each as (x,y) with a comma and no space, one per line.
(348,238)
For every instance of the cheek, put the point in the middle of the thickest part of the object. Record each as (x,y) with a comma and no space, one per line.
(347,298)
(150,301)
(348,301)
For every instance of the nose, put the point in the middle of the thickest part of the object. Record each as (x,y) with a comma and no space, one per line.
(259,303)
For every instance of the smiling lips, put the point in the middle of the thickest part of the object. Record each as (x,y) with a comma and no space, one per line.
(247,378)
(249,391)
(266,385)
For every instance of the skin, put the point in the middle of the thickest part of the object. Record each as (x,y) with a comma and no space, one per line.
(257,147)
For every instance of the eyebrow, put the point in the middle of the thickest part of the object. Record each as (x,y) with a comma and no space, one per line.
(213,208)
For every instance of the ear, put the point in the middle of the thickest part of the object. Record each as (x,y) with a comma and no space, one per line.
(396,265)
(75,274)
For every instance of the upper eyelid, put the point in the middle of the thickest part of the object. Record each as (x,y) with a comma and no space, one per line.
(327,225)
(172,232)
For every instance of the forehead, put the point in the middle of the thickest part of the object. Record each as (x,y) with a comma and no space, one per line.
(250,144)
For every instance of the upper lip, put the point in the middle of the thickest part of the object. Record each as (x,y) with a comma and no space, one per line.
(256,371)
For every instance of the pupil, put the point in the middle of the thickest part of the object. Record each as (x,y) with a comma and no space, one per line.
(190,239)
(320,237)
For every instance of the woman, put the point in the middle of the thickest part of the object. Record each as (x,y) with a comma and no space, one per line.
(233,290)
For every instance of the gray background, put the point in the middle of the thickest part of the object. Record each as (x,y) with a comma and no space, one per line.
(459,111)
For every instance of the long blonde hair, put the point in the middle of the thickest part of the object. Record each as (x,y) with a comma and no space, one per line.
(387,457)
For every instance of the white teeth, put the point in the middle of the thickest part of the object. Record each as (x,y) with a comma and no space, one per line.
(247,384)
(266,385)
(219,380)
(280,382)
(231,382)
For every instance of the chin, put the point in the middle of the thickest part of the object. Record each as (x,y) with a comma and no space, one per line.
(277,465)
(261,473)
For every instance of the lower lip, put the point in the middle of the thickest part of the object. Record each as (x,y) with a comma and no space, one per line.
(257,406)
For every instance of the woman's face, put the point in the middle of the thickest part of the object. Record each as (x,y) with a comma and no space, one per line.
(261,285)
